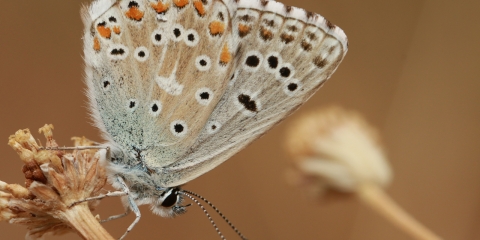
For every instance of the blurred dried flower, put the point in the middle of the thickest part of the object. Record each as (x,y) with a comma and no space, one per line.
(54,181)
(339,149)
(336,149)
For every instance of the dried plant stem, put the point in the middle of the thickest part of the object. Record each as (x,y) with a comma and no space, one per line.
(85,224)
(377,199)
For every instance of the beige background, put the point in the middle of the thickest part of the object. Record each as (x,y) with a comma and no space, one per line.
(413,70)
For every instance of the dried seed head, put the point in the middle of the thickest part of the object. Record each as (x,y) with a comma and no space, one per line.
(334,148)
(54,181)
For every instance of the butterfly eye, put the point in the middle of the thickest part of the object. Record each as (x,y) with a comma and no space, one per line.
(169,197)
(178,128)
(155,108)
(204,96)
(141,54)
(203,63)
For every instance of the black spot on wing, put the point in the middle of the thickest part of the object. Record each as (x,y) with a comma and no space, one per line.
(247,102)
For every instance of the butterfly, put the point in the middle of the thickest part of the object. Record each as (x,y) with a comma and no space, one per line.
(179,86)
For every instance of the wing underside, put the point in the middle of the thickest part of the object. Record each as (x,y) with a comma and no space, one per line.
(180,86)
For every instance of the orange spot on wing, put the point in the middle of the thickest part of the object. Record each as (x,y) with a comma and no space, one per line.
(96,44)
(134,13)
(216,28)
(160,7)
(104,31)
(180,3)
(116,29)
(286,38)
(225,55)
(266,34)
(243,30)
(199,7)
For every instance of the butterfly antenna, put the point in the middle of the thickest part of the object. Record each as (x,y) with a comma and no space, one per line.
(219,213)
(206,213)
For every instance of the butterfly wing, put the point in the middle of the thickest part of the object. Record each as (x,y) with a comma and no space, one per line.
(155,72)
(179,86)
(283,56)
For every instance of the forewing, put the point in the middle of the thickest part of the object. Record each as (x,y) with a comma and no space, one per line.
(155,71)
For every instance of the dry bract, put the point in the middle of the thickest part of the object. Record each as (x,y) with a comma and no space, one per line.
(54,180)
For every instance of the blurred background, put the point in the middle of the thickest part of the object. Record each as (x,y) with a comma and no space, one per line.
(412,69)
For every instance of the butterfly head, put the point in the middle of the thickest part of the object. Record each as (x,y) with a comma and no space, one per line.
(169,203)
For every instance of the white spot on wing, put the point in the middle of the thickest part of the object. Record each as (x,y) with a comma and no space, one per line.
(284,72)
(241,107)
(267,60)
(132,105)
(178,128)
(213,127)
(191,38)
(292,87)
(155,108)
(204,96)
(158,37)
(177,28)
(117,52)
(169,84)
(141,54)
(250,61)
(203,63)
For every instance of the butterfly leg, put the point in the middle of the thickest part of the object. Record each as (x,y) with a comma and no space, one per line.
(75,148)
(102,196)
(115,217)
(121,193)
(133,206)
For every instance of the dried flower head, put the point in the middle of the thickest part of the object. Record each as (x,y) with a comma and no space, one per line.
(54,182)
(334,148)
